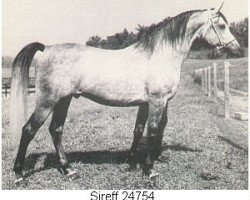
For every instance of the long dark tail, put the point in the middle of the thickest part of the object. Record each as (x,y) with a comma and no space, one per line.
(18,89)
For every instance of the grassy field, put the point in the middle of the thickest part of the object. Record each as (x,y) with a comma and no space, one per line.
(201,149)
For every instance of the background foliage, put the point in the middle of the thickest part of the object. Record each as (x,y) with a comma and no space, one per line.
(199,50)
(125,38)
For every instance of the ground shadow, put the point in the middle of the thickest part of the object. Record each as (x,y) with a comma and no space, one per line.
(50,160)
(179,147)
(233,144)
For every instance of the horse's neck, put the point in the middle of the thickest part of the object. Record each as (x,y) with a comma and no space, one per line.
(193,31)
(180,50)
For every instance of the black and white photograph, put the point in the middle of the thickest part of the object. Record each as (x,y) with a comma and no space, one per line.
(136,95)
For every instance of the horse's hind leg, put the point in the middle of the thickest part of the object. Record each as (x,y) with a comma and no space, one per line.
(56,128)
(141,120)
(28,132)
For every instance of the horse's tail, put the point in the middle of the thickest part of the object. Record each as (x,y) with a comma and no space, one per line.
(18,89)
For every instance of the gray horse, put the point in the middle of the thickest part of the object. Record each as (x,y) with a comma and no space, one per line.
(145,74)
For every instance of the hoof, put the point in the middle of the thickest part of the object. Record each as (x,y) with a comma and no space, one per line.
(18,180)
(162,159)
(72,174)
(153,174)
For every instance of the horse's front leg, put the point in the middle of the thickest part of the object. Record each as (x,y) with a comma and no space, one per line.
(141,120)
(157,108)
(163,122)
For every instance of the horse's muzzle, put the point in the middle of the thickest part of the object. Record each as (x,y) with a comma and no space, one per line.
(235,49)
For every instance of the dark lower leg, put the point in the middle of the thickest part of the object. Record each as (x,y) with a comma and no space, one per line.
(28,133)
(158,143)
(142,117)
(56,129)
(57,140)
(156,124)
(150,145)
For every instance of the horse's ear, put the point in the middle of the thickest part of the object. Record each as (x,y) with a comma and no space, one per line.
(220,7)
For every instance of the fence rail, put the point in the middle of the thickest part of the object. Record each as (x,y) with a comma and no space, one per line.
(6,89)
(6,82)
(208,77)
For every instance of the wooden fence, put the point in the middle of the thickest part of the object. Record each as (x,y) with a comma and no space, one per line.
(208,77)
(6,81)
(6,89)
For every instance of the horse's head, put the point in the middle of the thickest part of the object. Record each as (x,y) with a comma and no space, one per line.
(217,33)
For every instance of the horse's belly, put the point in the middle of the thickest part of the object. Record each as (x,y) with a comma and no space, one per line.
(114,92)
(114,100)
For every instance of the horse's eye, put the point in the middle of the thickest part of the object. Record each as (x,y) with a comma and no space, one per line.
(222,26)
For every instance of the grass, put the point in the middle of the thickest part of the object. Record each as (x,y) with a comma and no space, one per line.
(199,146)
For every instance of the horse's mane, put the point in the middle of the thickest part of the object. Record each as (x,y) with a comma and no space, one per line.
(167,30)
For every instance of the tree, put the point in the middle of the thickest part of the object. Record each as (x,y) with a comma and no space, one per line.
(123,39)
(94,41)
(240,31)
(116,41)
(7,61)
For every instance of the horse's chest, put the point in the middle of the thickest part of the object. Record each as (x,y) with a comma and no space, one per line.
(163,84)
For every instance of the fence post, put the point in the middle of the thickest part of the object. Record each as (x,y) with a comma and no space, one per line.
(215,80)
(205,80)
(226,90)
(5,90)
(202,78)
(196,75)
(201,74)
(209,81)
